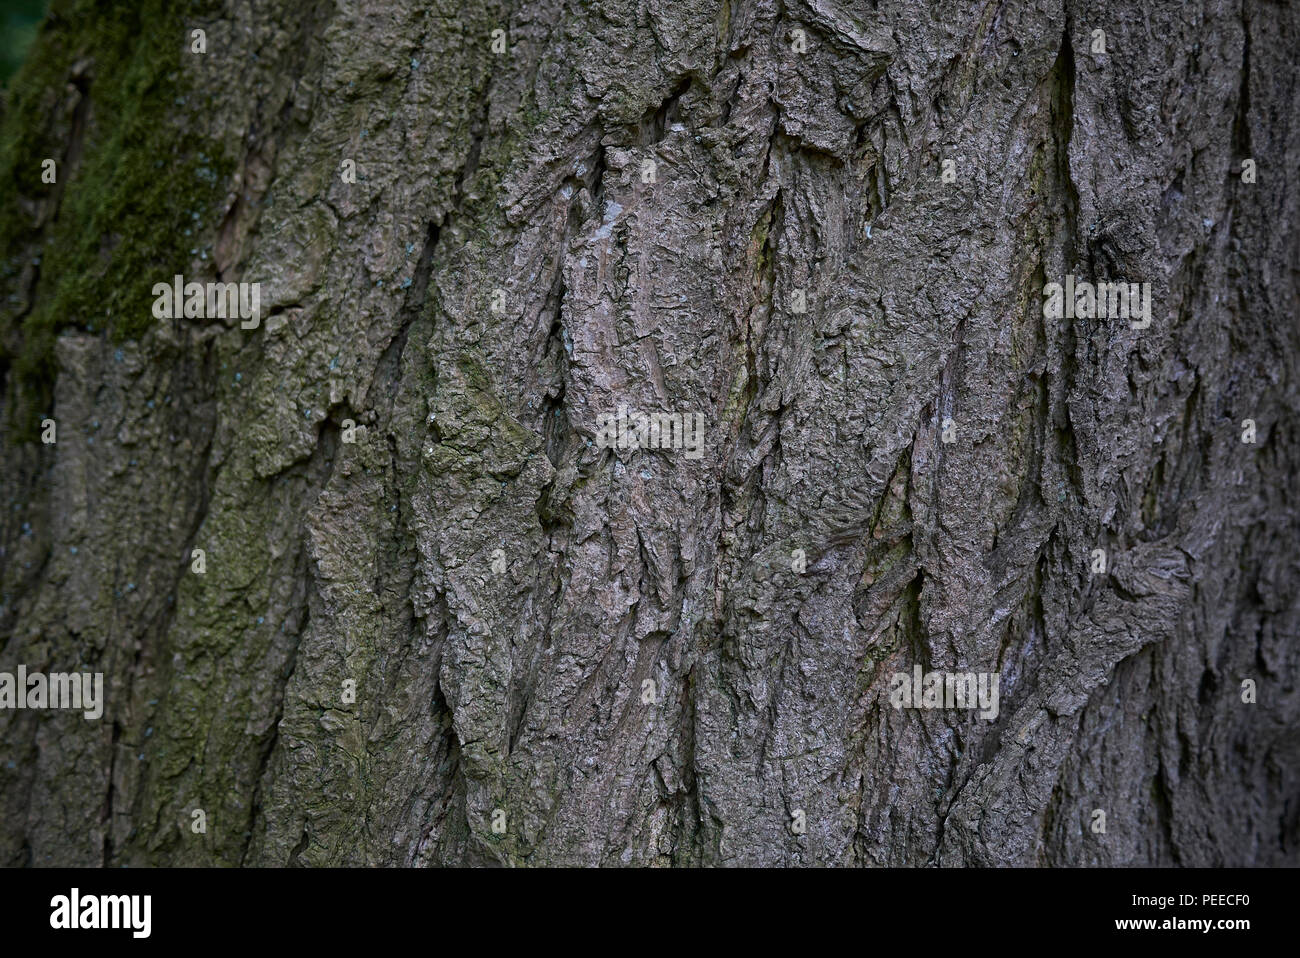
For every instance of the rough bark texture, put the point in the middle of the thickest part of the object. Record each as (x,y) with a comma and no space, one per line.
(784,162)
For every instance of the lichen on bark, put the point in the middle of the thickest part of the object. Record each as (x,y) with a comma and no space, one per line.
(735,208)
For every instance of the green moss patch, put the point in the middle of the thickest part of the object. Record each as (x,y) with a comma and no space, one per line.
(139,205)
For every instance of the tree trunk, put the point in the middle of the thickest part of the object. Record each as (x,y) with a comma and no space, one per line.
(368,582)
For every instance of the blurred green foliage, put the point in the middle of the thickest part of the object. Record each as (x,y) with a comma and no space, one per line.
(19,20)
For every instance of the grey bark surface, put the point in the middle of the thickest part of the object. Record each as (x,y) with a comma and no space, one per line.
(775,172)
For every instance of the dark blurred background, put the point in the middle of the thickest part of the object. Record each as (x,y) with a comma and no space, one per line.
(18,22)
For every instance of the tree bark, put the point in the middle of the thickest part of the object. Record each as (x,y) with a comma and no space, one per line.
(468,631)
